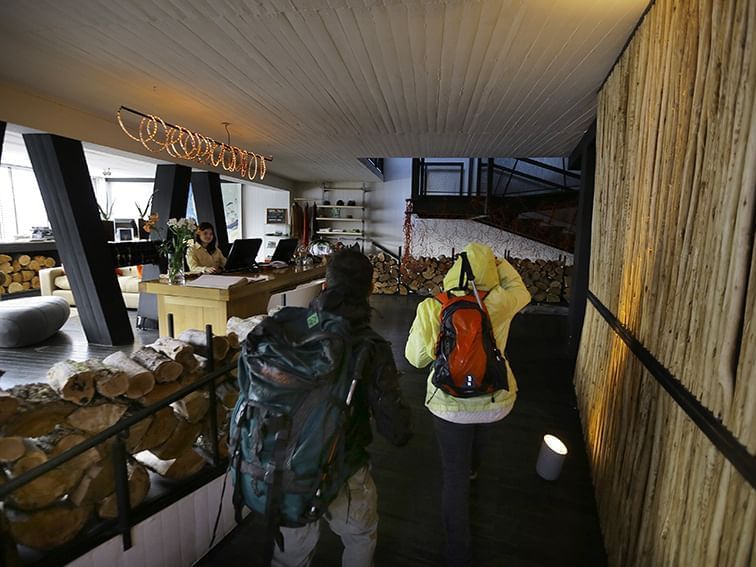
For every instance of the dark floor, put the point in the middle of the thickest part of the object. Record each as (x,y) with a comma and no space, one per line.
(30,364)
(518,519)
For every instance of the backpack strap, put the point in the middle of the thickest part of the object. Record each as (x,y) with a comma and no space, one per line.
(274,477)
(466,274)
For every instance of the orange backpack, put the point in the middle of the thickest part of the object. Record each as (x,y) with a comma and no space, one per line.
(468,363)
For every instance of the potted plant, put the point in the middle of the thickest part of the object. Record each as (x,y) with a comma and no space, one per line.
(179,234)
(143,219)
(107,222)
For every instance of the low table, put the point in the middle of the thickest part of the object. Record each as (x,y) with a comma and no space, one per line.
(194,307)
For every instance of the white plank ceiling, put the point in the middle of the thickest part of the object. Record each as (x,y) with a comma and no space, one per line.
(320,83)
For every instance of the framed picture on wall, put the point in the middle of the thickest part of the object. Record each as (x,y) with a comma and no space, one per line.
(275,216)
(232,206)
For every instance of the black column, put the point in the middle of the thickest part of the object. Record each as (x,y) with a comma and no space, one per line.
(169,199)
(66,188)
(208,200)
(584,156)
(2,138)
(170,195)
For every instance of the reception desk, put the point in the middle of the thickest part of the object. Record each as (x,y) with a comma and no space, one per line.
(194,307)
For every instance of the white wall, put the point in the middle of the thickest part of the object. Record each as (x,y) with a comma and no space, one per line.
(387,202)
(255,201)
(434,237)
(177,535)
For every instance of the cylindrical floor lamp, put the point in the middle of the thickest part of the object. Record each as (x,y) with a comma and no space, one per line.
(551,458)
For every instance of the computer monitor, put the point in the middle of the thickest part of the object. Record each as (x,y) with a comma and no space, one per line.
(243,255)
(285,250)
(125,229)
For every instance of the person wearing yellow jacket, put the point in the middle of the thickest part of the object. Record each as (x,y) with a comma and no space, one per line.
(461,424)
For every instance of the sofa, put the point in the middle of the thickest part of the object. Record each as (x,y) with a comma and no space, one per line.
(53,281)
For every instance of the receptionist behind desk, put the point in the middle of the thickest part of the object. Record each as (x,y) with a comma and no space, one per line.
(203,256)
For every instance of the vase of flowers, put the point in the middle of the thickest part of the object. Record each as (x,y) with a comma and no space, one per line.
(180,234)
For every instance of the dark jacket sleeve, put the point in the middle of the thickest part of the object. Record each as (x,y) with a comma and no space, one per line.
(393,418)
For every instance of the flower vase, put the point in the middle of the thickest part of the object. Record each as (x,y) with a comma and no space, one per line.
(176,268)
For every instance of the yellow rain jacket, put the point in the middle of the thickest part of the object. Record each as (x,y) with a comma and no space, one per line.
(507,295)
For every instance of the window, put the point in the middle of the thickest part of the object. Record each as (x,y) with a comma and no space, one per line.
(21,206)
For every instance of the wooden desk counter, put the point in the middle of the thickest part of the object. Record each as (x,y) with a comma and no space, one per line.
(194,307)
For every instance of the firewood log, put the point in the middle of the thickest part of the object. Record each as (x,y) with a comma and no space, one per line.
(24,259)
(4,258)
(8,406)
(8,551)
(34,265)
(233,339)
(11,449)
(137,432)
(98,417)
(179,351)
(15,286)
(183,436)
(233,359)
(61,440)
(74,381)
(159,392)
(51,486)
(39,410)
(186,464)
(162,367)
(162,427)
(198,339)
(109,382)
(242,327)
(5,279)
(228,394)
(139,485)
(84,493)
(140,380)
(47,529)
(205,446)
(193,406)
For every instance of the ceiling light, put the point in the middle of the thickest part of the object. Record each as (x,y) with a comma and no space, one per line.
(156,135)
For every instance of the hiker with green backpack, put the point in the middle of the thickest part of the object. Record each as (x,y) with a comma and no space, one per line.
(463,331)
(310,381)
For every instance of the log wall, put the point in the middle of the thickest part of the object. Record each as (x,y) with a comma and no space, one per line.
(548,281)
(672,259)
(20,272)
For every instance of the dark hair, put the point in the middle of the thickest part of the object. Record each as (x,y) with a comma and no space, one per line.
(204,226)
(351,272)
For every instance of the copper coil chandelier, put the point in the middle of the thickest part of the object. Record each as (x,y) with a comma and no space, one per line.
(156,135)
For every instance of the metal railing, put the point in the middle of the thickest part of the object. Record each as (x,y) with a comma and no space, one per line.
(127,518)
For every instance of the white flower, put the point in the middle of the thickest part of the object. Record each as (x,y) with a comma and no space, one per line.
(172,222)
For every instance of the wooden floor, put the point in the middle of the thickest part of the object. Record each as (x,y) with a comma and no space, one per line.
(30,364)
(518,519)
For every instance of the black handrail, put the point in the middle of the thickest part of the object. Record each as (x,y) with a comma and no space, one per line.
(709,424)
(394,255)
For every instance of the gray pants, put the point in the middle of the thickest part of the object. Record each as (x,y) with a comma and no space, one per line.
(353,516)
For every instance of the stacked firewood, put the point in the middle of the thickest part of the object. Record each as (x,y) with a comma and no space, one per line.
(423,276)
(385,274)
(21,272)
(83,398)
(547,281)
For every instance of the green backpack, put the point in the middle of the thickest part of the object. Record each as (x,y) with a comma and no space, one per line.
(297,374)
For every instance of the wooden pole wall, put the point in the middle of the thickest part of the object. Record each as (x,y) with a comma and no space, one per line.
(672,259)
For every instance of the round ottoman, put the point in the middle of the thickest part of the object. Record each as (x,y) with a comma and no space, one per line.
(31,320)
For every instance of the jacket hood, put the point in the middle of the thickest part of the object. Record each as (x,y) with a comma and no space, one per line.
(483,264)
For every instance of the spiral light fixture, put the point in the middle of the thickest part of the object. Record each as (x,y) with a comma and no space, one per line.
(156,135)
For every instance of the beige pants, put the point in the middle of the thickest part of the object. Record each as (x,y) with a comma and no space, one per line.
(353,517)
